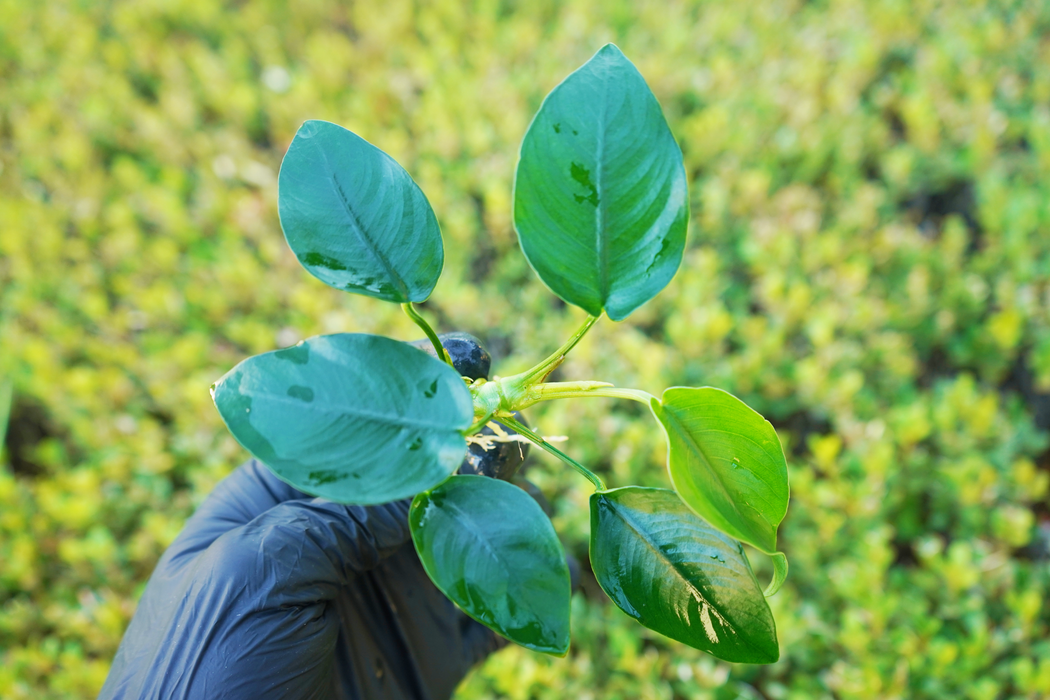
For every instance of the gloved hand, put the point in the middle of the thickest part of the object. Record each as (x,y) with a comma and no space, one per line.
(271,593)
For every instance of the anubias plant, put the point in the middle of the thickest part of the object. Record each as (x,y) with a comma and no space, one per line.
(601,207)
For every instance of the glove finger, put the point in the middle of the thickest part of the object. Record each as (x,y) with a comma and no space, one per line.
(253,600)
(249,491)
(301,552)
(478,640)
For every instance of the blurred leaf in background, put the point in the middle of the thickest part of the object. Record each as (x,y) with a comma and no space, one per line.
(867,265)
(6,393)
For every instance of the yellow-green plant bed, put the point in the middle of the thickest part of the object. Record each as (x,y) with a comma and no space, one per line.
(867,265)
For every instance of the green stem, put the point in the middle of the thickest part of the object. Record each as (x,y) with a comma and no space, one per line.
(575,390)
(411,312)
(521,429)
(543,369)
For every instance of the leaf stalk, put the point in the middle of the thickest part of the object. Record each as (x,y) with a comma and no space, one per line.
(522,429)
(541,371)
(410,311)
(575,390)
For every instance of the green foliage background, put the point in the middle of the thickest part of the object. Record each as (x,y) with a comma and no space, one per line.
(868,265)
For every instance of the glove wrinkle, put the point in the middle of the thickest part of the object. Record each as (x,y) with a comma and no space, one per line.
(301,598)
(371,662)
(247,493)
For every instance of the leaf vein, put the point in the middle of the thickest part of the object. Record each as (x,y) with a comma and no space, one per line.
(601,234)
(359,230)
(402,421)
(673,565)
(679,428)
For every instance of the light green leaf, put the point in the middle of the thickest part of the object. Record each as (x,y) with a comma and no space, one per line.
(600,201)
(488,546)
(780,573)
(726,462)
(675,574)
(355,219)
(351,417)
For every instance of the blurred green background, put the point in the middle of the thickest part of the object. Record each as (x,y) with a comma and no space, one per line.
(868,265)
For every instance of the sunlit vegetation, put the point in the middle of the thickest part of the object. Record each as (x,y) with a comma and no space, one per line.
(867,265)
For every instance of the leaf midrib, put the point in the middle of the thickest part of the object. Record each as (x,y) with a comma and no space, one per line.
(757,444)
(358,229)
(471,532)
(708,465)
(601,232)
(633,525)
(513,582)
(402,421)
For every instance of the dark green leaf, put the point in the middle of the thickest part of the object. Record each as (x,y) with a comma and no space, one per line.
(354,217)
(726,463)
(600,200)
(353,418)
(677,575)
(488,546)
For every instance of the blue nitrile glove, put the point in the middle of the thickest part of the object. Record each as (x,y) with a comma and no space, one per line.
(271,593)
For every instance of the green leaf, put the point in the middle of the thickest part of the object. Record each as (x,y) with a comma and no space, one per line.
(600,201)
(351,417)
(677,575)
(354,217)
(488,546)
(726,463)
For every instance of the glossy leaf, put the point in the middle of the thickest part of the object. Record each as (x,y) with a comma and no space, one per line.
(600,200)
(355,219)
(488,546)
(351,417)
(675,574)
(726,463)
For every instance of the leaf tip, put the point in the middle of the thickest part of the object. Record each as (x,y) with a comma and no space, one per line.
(761,650)
(780,572)
(768,655)
(309,128)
